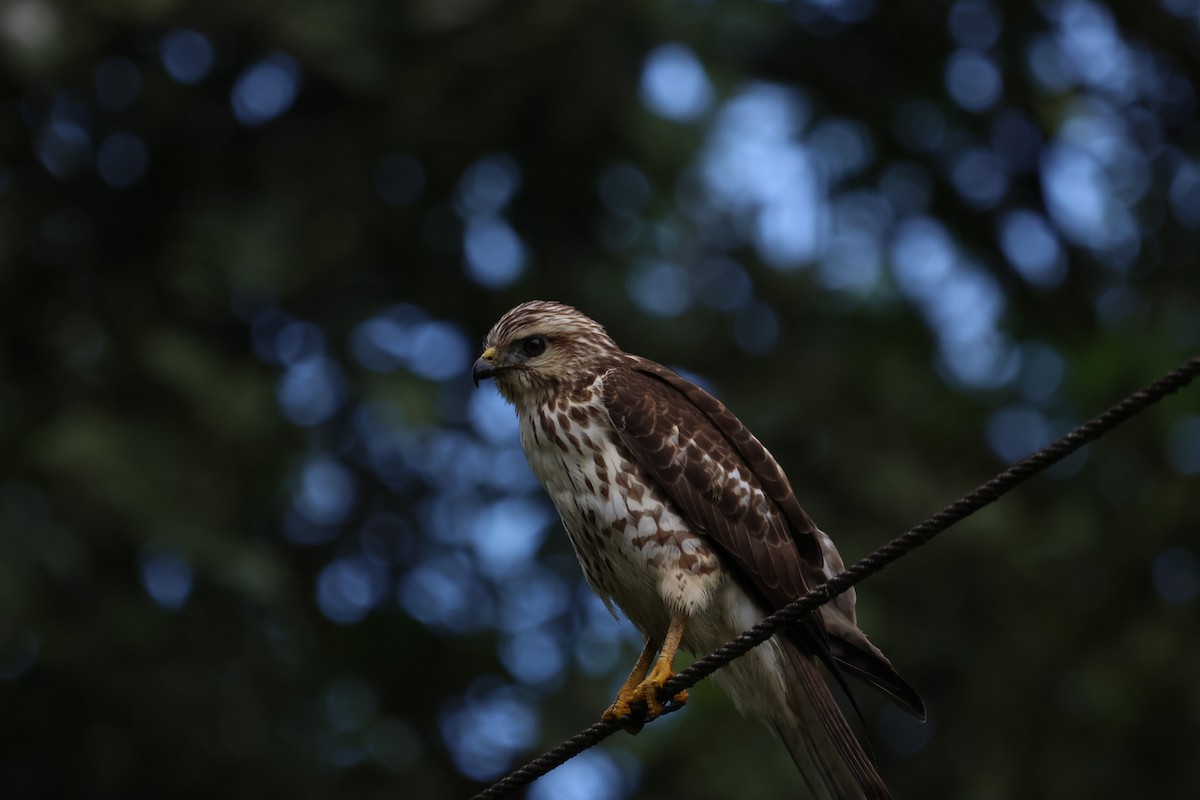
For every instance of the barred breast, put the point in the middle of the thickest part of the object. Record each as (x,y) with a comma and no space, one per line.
(635,550)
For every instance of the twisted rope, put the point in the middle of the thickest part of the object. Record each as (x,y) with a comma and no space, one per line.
(984,495)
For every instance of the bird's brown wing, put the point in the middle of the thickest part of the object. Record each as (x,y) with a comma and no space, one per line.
(730,488)
(723,482)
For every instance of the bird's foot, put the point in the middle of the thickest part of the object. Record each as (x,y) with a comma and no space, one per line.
(636,706)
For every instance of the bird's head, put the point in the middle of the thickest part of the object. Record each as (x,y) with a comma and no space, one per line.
(542,347)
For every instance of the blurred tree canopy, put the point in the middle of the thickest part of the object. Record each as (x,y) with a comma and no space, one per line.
(259,535)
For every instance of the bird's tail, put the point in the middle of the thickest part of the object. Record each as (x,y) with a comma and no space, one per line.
(782,685)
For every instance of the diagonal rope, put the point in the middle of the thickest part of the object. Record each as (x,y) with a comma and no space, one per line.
(984,495)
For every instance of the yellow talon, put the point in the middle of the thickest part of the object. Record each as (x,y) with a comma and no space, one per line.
(629,708)
(637,701)
(650,689)
(624,711)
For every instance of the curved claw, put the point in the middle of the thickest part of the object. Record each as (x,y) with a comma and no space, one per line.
(638,700)
(629,711)
(651,688)
(635,707)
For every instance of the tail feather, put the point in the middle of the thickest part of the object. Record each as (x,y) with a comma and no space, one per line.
(855,655)
(820,740)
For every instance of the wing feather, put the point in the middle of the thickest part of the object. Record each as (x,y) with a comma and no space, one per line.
(729,487)
(722,480)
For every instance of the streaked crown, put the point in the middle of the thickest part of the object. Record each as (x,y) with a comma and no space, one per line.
(570,348)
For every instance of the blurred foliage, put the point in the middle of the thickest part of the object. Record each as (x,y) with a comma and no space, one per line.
(258,535)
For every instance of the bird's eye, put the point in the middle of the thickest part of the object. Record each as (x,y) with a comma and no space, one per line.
(534,346)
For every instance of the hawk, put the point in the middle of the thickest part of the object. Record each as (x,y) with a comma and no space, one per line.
(680,517)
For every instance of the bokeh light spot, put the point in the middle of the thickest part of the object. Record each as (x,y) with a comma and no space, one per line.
(660,288)
(446,592)
(787,234)
(1048,64)
(384,342)
(973,80)
(29,24)
(1089,38)
(311,391)
(674,84)
(535,658)
(755,168)
(166,576)
(975,23)
(495,255)
(1082,203)
(907,187)
(488,185)
(1016,431)
(980,178)
(186,55)
(922,256)
(531,598)
(492,417)
(508,533)
(122,160)
(842,147)
(1031,246)
(327,491)
(64,149)
(487,728)
(265,89)
(591,775)
(348,588)
(297,341)
(438,351)
(1185,194)
(853,263)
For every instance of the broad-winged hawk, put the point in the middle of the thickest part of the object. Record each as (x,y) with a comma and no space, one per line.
(681,518)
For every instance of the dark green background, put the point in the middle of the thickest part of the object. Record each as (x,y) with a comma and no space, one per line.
(166,631)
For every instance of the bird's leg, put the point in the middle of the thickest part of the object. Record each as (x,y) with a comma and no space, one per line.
(642,686)
(664,669)
(621,709)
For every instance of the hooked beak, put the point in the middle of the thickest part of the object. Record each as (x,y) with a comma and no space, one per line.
(485,366)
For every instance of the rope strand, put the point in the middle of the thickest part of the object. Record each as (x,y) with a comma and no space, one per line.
(983,496)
